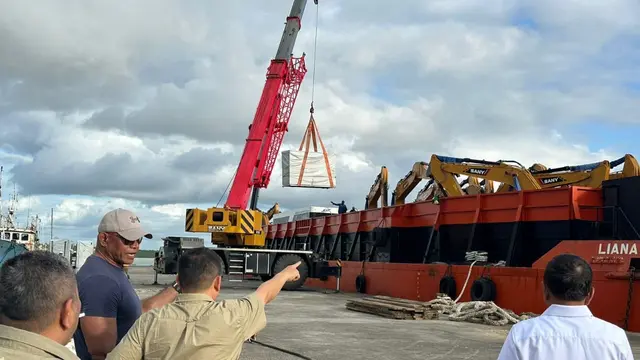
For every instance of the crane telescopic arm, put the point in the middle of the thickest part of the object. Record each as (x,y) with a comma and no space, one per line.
(270,122)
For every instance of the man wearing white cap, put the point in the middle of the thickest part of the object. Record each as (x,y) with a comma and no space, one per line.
(109,302)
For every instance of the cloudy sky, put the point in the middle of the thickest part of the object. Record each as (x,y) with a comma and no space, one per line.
(146,104)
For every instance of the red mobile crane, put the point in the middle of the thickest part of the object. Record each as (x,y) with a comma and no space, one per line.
(237,231)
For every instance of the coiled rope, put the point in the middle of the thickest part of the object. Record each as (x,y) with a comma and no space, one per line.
(479,312)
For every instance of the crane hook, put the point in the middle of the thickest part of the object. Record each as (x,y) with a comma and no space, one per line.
(315,2)
(311,109)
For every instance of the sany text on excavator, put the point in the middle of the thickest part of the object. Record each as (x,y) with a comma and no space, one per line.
(588,175)
(238,231)
(443,170)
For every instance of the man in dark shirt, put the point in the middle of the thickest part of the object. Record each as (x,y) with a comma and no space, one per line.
(342,208)
(109,302)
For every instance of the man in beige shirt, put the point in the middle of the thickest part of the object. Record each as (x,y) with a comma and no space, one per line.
(195,326)
(39,307)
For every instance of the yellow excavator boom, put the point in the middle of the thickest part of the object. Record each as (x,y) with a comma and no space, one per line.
(409,182)
(589,175)
(379,190)
(443,170)
(275,209)
(629,169)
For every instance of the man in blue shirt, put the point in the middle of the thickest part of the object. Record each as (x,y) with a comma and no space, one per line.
(342,207)
(109,302)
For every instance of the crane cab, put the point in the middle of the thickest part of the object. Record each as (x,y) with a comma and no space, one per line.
(228,227)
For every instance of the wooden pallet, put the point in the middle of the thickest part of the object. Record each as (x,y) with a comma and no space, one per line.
(392,308)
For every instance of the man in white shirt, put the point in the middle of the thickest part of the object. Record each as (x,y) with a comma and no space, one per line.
(566,330)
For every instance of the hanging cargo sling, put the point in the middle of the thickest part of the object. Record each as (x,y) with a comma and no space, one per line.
(306,168)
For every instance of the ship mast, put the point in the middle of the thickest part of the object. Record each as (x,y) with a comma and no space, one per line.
(11,216)
(1,203)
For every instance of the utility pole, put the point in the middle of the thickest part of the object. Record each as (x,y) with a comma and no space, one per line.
(51,224)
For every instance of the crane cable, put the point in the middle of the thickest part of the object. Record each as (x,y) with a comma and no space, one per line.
(315,51)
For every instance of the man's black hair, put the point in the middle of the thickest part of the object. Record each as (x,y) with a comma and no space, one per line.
(33,286)
(197,268)
(568,277)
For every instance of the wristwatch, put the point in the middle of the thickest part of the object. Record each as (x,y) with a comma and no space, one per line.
(176,287)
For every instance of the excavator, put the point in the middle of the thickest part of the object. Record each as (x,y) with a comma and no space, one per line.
(237,228)
(275,209)
(409,182)
(475,186)
(588,175)
(443,171)
(379,190)
(432,189)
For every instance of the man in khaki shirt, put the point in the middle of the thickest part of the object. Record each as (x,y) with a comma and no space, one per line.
(39,307)
(195,326)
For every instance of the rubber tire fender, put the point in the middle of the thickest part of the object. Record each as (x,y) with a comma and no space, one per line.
(361,284)
(448,286)
(483,289)
(288,259)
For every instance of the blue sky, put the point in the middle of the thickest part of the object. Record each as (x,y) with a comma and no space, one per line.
(146,105)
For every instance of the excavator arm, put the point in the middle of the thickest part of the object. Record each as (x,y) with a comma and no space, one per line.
(629,169)
(588,175)
(443,170)
(475,186)
(409,182)
(275,209)
(379,190)
(432,189)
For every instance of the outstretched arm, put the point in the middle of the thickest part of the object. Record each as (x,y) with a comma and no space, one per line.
(268,290)
(160,299)
(251,308)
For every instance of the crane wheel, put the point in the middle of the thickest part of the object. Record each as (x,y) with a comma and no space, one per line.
(289,259)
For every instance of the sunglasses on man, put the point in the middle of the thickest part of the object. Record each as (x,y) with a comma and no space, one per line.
(128,242)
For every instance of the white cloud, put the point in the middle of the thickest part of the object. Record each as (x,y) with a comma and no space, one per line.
(147,105)
(175,211)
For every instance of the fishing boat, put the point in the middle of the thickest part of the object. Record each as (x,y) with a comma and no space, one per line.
(10,231)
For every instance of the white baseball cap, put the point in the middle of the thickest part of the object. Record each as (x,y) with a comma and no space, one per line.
(125,223)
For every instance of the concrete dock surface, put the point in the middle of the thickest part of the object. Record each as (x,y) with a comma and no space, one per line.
(316,324)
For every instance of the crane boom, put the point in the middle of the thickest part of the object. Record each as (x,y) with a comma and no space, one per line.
(270,122)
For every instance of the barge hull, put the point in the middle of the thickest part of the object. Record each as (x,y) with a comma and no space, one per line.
(406,250)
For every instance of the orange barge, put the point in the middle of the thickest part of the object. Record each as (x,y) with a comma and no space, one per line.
(416,250)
